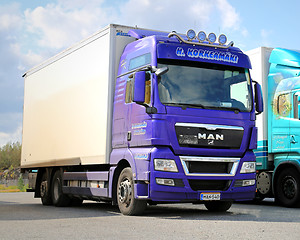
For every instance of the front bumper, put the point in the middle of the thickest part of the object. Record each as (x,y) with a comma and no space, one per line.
(188,185)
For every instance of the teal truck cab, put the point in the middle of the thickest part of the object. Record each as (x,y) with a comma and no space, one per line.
(278,152)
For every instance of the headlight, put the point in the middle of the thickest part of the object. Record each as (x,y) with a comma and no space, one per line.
(248,167)
(166,165)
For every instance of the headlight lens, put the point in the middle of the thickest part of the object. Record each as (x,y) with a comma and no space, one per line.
(166,165)
(248,167)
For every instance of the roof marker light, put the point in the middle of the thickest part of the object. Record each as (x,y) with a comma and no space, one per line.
(204,40)
(212,38)
(222,39)
(201,36)
(191,35)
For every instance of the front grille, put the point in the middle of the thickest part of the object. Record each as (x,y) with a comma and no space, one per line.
(209,167)
(217,185)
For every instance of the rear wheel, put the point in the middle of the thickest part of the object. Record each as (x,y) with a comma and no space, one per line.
(287,191)
(128,205)
(218,206)
(44,191)
(58,198)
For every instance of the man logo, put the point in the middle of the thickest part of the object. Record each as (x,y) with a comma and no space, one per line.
(218,137)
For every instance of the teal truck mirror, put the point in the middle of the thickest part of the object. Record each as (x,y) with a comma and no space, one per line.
(259,105)
(139,79)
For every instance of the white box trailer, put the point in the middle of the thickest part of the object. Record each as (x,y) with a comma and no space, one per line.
(259,58)
(68,103)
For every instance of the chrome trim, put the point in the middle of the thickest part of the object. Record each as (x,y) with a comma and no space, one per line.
(142,197)
(200,43)
(209,126)
(232,173)
(142,68)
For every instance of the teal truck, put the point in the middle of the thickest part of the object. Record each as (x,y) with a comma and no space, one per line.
(278,152)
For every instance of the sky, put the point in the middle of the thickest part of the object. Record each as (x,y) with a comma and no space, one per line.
(33,30)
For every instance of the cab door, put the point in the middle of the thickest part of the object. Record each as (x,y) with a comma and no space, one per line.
(281,118)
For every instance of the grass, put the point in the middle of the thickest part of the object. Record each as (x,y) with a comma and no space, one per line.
(10,189)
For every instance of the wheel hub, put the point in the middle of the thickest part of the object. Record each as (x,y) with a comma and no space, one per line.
(43,188)
(125,191)
(289,187)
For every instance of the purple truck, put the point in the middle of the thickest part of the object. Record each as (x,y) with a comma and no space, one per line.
(136,117)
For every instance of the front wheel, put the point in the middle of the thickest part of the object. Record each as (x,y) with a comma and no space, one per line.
(218,206)
(128,205)
(287,190)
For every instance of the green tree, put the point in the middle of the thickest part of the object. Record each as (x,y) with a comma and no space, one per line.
(21,185)
(10,155)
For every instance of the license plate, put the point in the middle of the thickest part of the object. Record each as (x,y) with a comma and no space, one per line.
(210,196)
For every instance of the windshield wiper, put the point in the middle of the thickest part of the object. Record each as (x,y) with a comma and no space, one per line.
(185,105)
(236,110)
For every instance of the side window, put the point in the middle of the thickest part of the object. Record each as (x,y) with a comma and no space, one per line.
(140,61)
(296,105)
(148,89)
(129,90)
(128,95)
(239,92)
(283,105)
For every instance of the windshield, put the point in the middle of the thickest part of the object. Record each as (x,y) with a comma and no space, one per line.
(211,86)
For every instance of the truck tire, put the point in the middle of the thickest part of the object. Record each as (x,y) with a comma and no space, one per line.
(128,205)
(44,191)
(58,198)
(218,206)
(287,188)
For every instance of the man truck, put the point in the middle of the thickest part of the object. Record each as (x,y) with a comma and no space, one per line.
(278,152)
(135,117)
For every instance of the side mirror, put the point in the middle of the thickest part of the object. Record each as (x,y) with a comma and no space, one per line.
(259,104)
(139,84)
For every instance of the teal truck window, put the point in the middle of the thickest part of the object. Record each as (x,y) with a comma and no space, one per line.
(140,61)
(283,105)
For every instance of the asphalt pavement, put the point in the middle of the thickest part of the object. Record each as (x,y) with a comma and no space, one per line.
(23,217)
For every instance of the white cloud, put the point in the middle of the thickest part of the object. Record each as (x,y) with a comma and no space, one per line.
(230,18)
(167,15)
(11,137)
(59,25)
(10,18)
(10,127)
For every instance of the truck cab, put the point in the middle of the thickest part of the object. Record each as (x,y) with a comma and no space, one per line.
(187,124)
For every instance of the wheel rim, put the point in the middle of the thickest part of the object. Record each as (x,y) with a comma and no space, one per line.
(55,189)
(289,187)
(125,192)
(43,188)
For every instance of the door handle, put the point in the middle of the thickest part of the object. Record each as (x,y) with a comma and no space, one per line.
(293,139)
